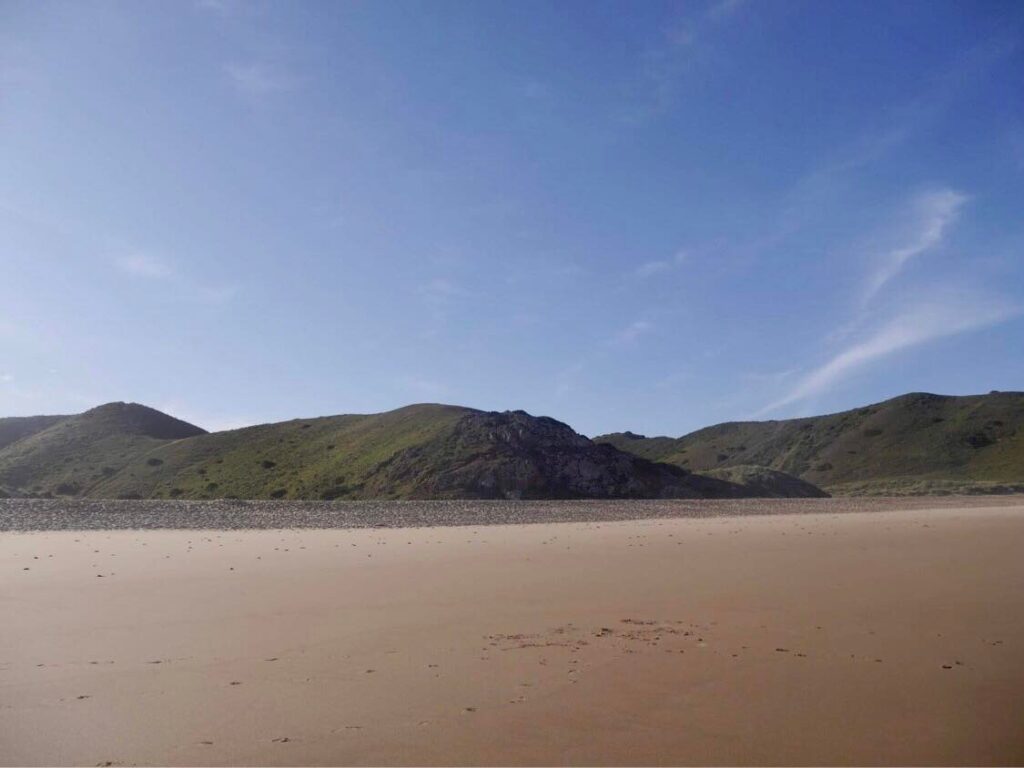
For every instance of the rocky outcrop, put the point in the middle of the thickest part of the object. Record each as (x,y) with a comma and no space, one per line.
(515,455)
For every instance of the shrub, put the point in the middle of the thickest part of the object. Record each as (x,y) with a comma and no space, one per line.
(154,462)
(280,493)
(267,464)
(978,440)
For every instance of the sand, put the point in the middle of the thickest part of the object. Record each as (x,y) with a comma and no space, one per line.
(887,637)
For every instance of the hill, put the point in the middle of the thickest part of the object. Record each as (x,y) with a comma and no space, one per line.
(73,454)
(915,443)
(15,428)
(767,483)
(421,451)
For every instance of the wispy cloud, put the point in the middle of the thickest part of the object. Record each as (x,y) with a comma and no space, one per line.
(423,388)
(632,332)
(821,184)
(211,423)
(651,268)
(723,9)
(439,292)
(565,379)
(144,265)
(258,81)
(933,213)
(6,378)
(915,326)
(770,377)
(221,7)
(216,294)
(666,61)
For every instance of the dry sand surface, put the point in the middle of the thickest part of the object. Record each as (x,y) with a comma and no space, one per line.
(887,637)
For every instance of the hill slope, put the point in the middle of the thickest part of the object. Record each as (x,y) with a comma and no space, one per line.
(767,483)
(907,444)
(73,454)
(421,451)
(15,428)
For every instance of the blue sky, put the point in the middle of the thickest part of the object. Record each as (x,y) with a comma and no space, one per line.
(648,216)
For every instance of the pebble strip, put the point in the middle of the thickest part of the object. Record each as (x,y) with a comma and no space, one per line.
(98,514)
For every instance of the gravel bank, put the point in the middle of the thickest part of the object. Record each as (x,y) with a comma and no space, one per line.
(81,514)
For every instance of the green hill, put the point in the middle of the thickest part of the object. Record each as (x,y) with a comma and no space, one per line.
(327,457)
(421,451)
(915,443)
(767,483)
(74,454)
(15,428)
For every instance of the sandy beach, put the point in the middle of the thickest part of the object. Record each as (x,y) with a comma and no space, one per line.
(892,636)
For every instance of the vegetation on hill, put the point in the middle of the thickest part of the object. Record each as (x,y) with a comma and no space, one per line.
(906,442)
(15,428)
(767,483)
(322,458)
(73,455)
(917,443)
(421,451)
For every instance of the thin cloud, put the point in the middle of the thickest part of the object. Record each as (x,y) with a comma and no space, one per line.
(213,294)
(217,423)
(834,173)
(424,388)
(651,268)
(221,7)
(911,328)
(723,9)
(257,81)
(667,61)
(566,379)
(935,212)
(6,378)
(632,332)
(144,265)
(439,292)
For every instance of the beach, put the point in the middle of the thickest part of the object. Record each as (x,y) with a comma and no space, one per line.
(807,633)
